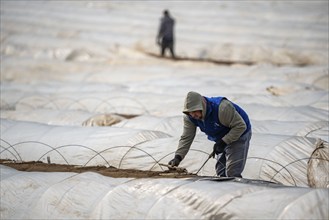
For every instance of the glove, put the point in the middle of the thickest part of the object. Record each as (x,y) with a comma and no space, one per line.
(176,161)
(219,147)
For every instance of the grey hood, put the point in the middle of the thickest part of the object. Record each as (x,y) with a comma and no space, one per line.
(193,102)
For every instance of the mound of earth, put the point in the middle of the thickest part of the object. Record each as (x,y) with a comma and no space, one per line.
(38,166)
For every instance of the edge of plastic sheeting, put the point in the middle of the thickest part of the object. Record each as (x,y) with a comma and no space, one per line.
(317,165)
(217,178)
(243,180)
(259,182)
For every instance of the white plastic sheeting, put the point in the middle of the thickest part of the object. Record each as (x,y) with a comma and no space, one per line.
(80,145)
(63,62)
(49,116)
(92,196)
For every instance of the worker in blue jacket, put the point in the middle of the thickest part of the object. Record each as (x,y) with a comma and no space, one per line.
(223,122)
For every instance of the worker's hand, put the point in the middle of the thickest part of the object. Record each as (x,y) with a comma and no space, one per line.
(176,161)
(219,147)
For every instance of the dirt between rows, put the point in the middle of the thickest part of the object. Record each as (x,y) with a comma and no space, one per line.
(38,166)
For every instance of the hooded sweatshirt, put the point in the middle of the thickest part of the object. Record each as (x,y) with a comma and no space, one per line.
(233,121)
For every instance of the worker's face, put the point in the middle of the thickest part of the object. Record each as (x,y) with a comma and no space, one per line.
(196,114)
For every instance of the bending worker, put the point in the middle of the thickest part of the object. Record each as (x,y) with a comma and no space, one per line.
(223,122)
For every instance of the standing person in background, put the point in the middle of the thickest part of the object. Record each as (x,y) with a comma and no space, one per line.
(223,122)
(165,37)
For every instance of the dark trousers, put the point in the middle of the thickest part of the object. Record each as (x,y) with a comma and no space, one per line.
(167,44)
(232,161)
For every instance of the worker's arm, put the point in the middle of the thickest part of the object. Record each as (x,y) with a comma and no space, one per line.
(160,32)
(229,117)
(187,138)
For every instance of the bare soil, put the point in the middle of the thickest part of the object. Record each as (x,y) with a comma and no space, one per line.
(38,166)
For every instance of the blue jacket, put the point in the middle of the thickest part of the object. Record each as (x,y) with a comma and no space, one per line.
(211,125)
